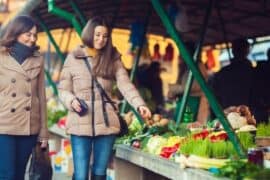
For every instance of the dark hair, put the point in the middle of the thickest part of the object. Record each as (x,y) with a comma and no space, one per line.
(19,25)
(240,47)
(268,54)
(108,54)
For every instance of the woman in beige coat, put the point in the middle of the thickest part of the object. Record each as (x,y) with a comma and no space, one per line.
(94,129)
(22,97)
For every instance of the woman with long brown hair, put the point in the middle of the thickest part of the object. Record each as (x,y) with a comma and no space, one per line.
(97,129)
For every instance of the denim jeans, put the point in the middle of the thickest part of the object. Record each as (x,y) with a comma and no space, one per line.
(82,147)
(14,154)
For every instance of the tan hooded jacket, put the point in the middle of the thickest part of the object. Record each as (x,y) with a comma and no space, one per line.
(76,82)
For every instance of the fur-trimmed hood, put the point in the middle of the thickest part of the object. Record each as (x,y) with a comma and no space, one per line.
(83,51)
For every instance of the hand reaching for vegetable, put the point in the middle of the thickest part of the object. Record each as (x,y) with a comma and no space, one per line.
(144,112)
(195,125)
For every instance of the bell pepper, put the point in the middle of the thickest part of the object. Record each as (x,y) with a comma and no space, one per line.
(201,135)
(166,152)
(221,136)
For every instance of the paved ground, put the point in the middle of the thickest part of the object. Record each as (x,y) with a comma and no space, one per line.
(56,176)
(61,176)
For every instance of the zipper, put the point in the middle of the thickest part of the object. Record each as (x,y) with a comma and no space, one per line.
(93,106)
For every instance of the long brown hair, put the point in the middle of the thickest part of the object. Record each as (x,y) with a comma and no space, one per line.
(19,25)
(108,54)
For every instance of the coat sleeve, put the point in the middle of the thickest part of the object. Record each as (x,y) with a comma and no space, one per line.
(66,85)
(126,88)
(43,134)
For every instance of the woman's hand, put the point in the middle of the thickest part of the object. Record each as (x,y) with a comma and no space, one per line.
(195,125)
(144,112)
(43,143)
(75,104)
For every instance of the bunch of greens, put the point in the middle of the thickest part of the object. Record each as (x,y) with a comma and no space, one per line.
(263,130)
(187,147)
(241,169)
(203,148)
(246,140)
(206,148)
(54,116)
(197,147)
(219,149)
(180,130)
(231,152)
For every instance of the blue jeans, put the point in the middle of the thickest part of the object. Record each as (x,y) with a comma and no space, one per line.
(14,154)
(82,148)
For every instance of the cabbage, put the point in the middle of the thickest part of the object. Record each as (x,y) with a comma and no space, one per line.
(155,144)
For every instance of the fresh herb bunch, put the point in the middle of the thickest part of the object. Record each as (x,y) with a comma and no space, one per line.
(231,152)
(188,146)
(54,116)
(219,149)
(202,148)
(246,140)
(263,130)
(238,169)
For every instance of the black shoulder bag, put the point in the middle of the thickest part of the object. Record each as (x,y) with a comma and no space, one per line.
(105,98)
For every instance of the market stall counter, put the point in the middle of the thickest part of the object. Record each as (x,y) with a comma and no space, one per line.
(134,164)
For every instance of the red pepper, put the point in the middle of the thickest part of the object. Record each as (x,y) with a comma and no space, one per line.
(166,152)
(201,135)
(221,136)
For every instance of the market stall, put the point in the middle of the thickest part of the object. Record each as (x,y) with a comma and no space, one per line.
(162,148)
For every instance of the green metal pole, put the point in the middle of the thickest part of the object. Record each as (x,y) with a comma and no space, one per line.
(51,83)
(198,76)
(65,15)
(136,60)
(45,28)
(222,24)
(180,114)
(80,14)
(132,75)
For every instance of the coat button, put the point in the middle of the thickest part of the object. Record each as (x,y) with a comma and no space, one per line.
(27,108)
(13,94)
(13,80)
(28,94)
(28,80)
(12,110)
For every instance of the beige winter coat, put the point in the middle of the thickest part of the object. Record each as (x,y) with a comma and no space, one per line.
(76,82)
(22,96)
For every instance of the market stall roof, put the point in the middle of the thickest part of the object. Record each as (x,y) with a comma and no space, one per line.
(240,18)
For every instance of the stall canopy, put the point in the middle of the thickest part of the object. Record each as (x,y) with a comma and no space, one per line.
(230,19)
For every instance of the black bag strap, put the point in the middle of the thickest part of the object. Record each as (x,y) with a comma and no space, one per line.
(102,91)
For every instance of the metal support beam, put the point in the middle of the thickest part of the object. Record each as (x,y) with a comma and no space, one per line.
(198,76)
(77,10)
(180,114)
(223,29)
(65,15)
(57,49)
(45,28)
(137,59)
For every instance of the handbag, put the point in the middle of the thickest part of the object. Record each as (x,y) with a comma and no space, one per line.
(40,164)
(123,125)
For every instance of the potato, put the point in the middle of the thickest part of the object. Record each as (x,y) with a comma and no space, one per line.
(164,122)
(156,117)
